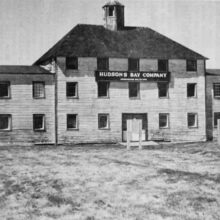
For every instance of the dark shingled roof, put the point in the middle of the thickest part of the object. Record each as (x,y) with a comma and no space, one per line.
(97,41)
(213,72)
(113,3)
(23,70)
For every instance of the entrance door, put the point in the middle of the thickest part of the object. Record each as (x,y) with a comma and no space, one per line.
(133,120)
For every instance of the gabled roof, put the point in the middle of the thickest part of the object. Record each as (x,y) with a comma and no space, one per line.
(213,72)
(6,69)
(97,41)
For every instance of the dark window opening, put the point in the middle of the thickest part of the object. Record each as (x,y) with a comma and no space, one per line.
(216,89)
(38,90)
(163,65)
(133,64)
(164,120)
(192,120)
(4,89)
(39,122)
(191,90)
(191,65)
(103,64)
(5,122)
(71,89)
(103,121)
(163,90)
(103,89)
(72,63)
(216,117)
(110,11)
(134,90)
(72,121)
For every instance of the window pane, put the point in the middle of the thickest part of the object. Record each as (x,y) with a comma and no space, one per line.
(71,89)
(216,117)
(71,121)
(162,90)
(102,64)
(191,90)
(4,122)
(38,122)
(134,90)
(103,89)
(72,63)
(103,121)
(162,65)
(38,90)
(4,89)
(133,64)
(191,65)
(216,88)
(163,120)
(110,12)
(192,120)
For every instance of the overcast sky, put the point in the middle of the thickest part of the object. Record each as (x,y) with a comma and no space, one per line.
(28,28)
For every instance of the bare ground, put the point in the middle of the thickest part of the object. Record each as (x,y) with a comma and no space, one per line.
(108,182)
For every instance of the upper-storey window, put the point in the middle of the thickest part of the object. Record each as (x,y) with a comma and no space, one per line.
(72,63)
(4,90)
(110,11)
(103,63)
(103,89)
(191,65)
(72,90)
(191,90)
(134,90)
(133,64)
(163,88)
(163,65)
(38,90)
(216,90)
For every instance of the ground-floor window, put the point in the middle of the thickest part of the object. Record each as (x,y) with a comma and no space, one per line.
(39,122)
(103,121)
(192,119)
(216,117)
(134,89)
(72,121)
(5,122)
(163,120)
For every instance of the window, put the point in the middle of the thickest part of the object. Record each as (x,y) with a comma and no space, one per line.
(163,90)
(38,90)
(191,90)
(192,120)
(163,120)
(39,122)
(72,63)
(103,64)
(110,11)
(216,117)
(134,90)
(72,89)
(103,121)
(103,89)
(133,64)
(216,89)
(163,65)
(72,121)
(4,90)
(191,65)
(5,122)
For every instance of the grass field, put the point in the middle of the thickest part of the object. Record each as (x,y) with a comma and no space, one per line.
(108,182)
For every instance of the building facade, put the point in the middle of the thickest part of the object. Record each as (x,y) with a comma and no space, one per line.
(97,78)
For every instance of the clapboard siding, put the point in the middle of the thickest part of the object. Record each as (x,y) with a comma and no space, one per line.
(87,106)
(22,106)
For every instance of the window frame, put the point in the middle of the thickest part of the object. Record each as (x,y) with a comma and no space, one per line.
(215,125)
(216,96)
(167,90)
(167,65)
(8,83)
(76,90)
(108,121)
(99,63)
(130,60)
(44,123)
(112,10)
(196,120)
(188,66)
(195,90)
(69,65)
(108,86)
(9,117)
(138,90)
(167,118)
(77,122)
(33,90)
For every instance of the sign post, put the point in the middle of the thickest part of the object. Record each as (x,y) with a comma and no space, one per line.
(218,131)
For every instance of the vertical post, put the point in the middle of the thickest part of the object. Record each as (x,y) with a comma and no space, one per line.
(140,134)
(129,129)
(218,123)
